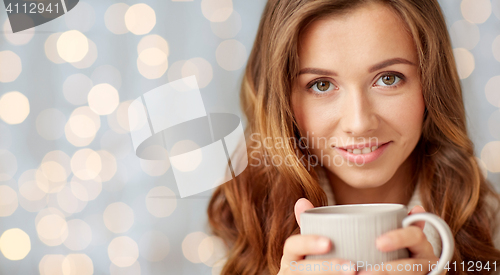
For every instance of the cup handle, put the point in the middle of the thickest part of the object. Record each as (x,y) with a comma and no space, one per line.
(444,233)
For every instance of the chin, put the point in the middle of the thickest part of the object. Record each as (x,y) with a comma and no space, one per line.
(364,182)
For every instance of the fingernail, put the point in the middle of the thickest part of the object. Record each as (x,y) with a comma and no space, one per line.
(364,272)
(422,207)
(323,243)
(383,241)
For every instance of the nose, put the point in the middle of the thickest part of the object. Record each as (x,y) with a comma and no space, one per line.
(358,115)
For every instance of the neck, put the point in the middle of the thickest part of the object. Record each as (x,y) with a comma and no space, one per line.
(398,189)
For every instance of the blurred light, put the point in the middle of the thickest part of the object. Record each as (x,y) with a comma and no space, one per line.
(476,11)
(231,55)
(79,235)
(53,171)
(52,229)
(114,18)
(159,165)
(152,72)
(216,10)
(86,190)
(492,91)
(154,246)
(123,251)
(107,74)
(465,62)
(175,71)
(108,165)
(8,201)
(200,68)
(68,202)
(161,201)
(464,34)
(81,132)
(51,48)
(47,185)
(81,18)
(134,269)
(118,217)
(186,163)
(62,171)
(152,57)
(76,88)
(490,155)
(118,121)
(140,19)
(15,244)
(10,66)
(190,246)
(50,124)
(217,268)
(89,58)
(86,164)
(51,264)
(103,99)
(153,41)
(77,264)
(496,48)
(28,187)
(482,167)
(211,250)
(19,38)
(8,165)
(229,28)
(14,106)
(72,46)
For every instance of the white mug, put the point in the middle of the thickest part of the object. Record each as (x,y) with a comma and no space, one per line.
(354,228)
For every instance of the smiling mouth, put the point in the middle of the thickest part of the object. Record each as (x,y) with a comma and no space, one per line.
(359,149)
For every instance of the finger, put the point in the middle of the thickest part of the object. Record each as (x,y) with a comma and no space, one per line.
(320,267)
(411,237)
(418,209)
(300,206)
(398,267)
(297,246)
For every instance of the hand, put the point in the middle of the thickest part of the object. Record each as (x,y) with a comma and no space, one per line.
(413,238)
(297,246)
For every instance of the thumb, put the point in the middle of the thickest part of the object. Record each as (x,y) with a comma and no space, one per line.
(302,205)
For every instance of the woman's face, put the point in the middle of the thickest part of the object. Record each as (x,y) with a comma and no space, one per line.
(359,84)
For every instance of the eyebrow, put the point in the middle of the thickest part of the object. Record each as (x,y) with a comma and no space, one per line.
(373,68)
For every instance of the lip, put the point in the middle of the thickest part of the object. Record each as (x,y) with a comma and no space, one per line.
(361,146)
(363,158)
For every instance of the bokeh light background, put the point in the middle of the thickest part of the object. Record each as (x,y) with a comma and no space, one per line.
(74,198)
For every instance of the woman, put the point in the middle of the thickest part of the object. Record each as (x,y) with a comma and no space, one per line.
(367,93)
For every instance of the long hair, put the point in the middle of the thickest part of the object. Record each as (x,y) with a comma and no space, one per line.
(253,213)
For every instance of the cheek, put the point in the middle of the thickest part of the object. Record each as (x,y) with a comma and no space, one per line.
(311,116)
(406,115)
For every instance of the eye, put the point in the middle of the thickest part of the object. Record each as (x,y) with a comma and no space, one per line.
(388,80)
(322,86)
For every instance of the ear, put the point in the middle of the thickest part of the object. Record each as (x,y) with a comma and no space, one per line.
(302,205)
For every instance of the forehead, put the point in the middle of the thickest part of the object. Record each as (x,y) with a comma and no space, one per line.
(369,33)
